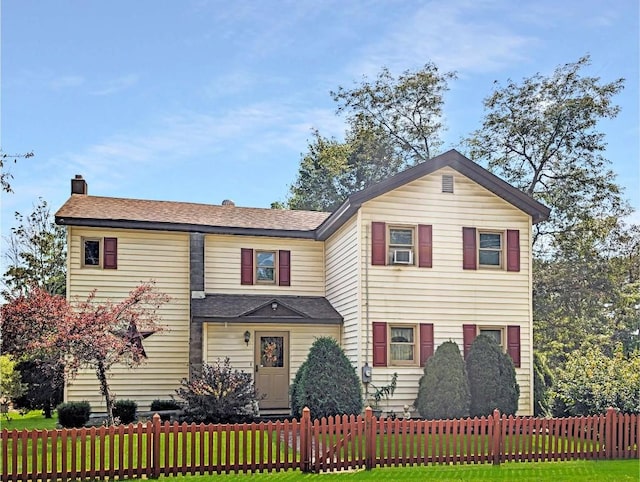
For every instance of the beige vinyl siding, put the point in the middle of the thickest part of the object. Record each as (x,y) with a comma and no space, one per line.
(222,265)
(142,256)
(221,341)
(343,282)
(446,295)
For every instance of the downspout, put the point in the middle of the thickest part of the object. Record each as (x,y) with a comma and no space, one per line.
(366,301)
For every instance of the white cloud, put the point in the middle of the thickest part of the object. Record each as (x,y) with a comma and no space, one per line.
(458,35)
(117,85)
(67,81)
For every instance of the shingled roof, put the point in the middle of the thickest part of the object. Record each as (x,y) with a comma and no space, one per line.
(258,308)
(84,210)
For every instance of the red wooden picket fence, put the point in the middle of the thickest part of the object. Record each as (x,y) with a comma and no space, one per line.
(329,444)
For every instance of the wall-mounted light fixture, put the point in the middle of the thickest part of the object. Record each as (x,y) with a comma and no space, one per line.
(274,305)
(247,337)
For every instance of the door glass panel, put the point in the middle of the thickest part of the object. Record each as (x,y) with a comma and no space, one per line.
(272,351)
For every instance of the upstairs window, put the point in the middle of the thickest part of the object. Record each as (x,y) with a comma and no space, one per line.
(401,245)
(265,266)
(490,249)
(496,334)
(99,253)
(91,252)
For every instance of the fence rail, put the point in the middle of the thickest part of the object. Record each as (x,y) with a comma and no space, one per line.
(329,444)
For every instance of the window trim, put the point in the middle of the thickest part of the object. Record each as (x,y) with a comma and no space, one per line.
(501,251)
(415,344)
(392,247)
(275,267)
(83,258)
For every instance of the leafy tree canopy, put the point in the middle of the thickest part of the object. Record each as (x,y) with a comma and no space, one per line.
(541,136)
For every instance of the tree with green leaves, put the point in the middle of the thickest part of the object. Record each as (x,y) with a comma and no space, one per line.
(443,389)
(407,108)
(393,122)
(36,253)
(541,136)
(492,378)
(542,384)
(593,381)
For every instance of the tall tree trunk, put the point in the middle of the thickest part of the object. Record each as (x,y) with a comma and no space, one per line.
(101,372)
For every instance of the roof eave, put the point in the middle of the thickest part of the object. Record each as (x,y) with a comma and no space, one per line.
(183,227)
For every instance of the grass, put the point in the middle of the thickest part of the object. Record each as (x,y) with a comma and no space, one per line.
(31,421)
(579,470)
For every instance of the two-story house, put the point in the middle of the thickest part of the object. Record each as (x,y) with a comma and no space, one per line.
(441,251)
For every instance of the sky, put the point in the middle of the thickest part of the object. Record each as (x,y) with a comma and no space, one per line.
(201,101)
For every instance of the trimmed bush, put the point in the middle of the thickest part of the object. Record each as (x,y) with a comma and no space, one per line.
(327,383)
(219,394)
(444,390)
(492,379)
(296,410)
(161,405)
(73,414)
(125,411)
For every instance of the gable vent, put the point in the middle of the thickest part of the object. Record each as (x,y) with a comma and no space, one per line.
(447,183)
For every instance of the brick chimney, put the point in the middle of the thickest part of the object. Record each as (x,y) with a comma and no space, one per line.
(78,185)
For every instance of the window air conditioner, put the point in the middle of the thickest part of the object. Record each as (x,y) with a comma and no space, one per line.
(402,256)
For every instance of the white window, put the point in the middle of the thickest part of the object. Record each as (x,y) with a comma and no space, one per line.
(265,266)
(401,245)
(402,345)
(490,249)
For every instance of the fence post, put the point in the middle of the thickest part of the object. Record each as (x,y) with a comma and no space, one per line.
(155,453)
(305,439)
(610,429)
(369,438)
(496,438)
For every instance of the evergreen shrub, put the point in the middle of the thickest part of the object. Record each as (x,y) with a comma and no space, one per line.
(492,379)
(73,414)
(327,382)
(443,392)
(125,411)
(162,405)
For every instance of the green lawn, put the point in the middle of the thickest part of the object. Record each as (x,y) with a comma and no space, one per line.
(30,421)
(581,470)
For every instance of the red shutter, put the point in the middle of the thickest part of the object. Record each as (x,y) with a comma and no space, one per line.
(246,269)
(425,256)
(513,344)
(284,268)
(426,342)
(513,250)
(469,252)
(468,335)
(379,344)
(378,244)
(110,247)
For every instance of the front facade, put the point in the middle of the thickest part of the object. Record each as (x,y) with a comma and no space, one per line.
(439,252)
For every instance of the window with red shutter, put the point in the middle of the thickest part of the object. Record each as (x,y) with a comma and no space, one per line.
(379,344)
(378,244)
(426,342)
(513,250)
(284,267)
(246,266)
(513,344)
(469,253)
(468,335)
(110,253)
(425,246)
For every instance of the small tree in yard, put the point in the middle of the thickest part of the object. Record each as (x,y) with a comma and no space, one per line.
(328,384)
(84,334)
(444,391)
(492,379)
(219,394)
